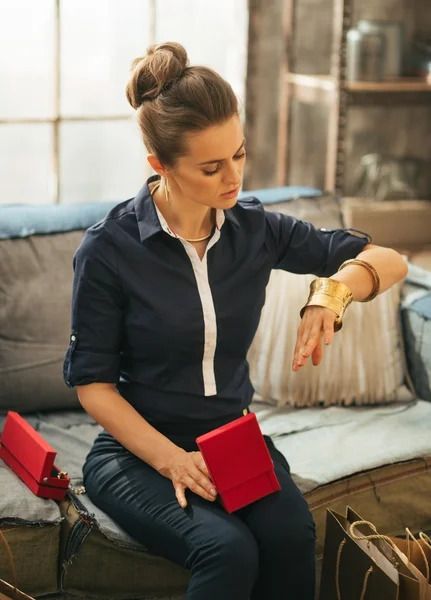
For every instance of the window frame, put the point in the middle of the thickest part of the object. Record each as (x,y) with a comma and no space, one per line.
(57,119)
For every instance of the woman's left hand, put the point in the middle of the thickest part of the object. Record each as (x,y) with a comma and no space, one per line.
(316,323)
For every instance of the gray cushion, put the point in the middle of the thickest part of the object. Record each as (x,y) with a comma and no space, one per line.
(35,295)
(19,505)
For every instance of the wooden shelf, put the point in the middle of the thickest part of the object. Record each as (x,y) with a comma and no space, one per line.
(349,118)
(313,89)
(403,85)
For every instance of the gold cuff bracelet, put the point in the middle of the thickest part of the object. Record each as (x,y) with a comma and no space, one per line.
(332,294)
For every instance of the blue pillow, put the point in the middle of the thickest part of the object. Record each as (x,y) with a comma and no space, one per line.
(416,313)
(282,194)
(24,220)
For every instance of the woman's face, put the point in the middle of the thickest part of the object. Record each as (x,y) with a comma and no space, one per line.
(211,173)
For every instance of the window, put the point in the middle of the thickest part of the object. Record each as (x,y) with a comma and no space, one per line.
(67,132)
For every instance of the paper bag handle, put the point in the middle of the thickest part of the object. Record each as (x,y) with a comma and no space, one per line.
(11,563)
(337,574)
(378,536)
(425,538)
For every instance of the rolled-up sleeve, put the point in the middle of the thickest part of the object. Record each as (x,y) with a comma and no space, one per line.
(93,354)
(298,247)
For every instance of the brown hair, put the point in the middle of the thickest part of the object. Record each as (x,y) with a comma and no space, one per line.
(173,99)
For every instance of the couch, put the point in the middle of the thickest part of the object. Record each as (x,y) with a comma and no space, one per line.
(376,458)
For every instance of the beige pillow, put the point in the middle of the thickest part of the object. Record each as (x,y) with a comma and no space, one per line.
(322,211)
(365,363)
(393,223)
(422,258)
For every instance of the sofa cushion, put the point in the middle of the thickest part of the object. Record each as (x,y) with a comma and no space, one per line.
(365,363)
(19,505)
(35,298)
(330,444)
(416,311)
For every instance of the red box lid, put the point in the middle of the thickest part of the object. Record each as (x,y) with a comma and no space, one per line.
(235,453)
(27,446)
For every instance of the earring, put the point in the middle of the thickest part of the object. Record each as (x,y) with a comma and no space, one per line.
(166,190)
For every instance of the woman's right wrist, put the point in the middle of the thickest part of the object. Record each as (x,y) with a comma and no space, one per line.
(164,460)
(332,294)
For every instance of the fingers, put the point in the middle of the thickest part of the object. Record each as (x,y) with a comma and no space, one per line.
(205,480)
(317,322)
(200,463)
(307,340)
(202,478)
(310,340)
(328,327)
(180,494)
(199,488)
(295,365)
(317,354)
(196,478)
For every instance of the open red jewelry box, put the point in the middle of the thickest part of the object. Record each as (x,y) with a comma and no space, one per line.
(25,451)
(239,462)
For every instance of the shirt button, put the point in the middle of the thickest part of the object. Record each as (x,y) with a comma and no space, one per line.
(72,338)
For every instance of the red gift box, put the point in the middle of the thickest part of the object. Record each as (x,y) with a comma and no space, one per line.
(32,458)
(239,463)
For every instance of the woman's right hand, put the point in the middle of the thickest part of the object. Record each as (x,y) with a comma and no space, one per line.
(188,470)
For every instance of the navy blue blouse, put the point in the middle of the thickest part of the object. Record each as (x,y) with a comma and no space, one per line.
(173,331)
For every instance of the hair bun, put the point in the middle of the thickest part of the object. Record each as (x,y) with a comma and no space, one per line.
(162,64)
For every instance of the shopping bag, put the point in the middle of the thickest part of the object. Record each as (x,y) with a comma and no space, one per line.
(416,553)
(8,591)
(412,584)
(357,569)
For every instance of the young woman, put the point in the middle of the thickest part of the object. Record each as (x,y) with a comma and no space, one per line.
(167,297)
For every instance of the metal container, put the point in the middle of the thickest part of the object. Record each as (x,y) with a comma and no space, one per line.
(393,31)
(354,48)
(373,56)
(365,56)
